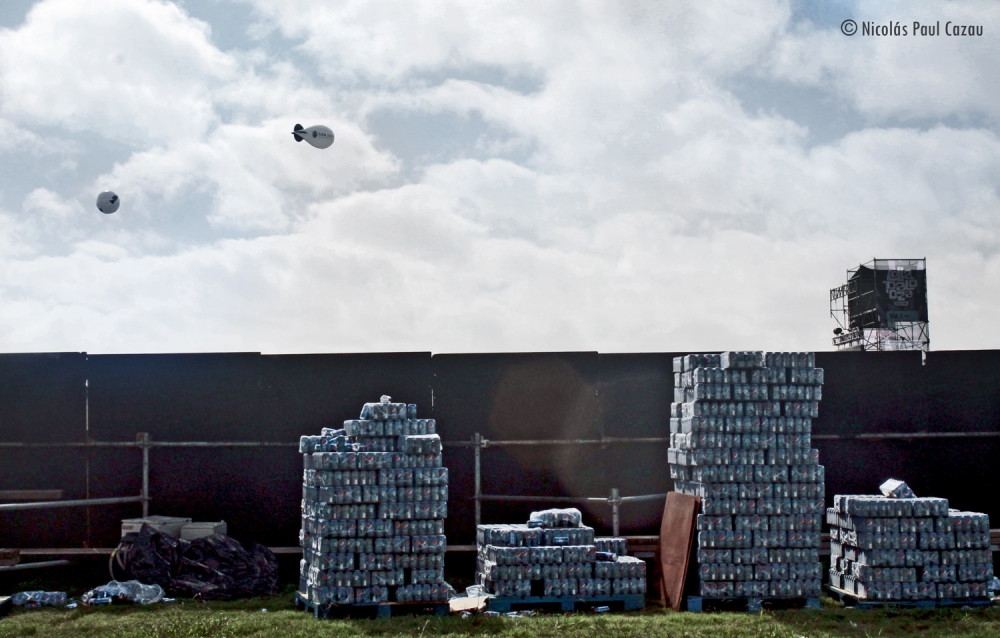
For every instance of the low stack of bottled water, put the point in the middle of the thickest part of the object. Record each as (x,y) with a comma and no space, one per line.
(374,500)
(555,555)
(889,548)
(740,433)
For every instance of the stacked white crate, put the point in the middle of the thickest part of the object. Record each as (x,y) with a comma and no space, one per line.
(905,549)
(374,502)
(741,426)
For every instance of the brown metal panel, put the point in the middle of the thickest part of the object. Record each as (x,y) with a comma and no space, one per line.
(676,537)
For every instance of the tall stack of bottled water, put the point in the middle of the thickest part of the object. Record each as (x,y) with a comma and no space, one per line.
(374,500)
(888,548)
(740,439)
(554,554)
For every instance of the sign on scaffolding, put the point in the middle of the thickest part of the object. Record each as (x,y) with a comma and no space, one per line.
(882,307)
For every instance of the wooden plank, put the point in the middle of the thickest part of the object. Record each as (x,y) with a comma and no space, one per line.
(31,495)
(677,532)
(468,603)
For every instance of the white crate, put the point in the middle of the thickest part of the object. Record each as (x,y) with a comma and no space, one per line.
(164,524)
(191,531)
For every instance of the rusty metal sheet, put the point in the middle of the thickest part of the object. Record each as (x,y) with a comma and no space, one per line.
(676,537)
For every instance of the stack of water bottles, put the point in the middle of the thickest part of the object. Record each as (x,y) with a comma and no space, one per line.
(900,547)
(555,555)
(740,433)
(374,500)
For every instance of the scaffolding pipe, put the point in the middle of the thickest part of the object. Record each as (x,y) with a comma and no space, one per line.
(478,487)
(38,565)
(145,439)
(643,497)
(614,501)
(543,499)
(86,502)
(483,443)
(139,444)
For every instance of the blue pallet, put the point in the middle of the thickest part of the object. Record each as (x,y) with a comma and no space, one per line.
(377,610)
(504,604)
(851,600)
(751,605)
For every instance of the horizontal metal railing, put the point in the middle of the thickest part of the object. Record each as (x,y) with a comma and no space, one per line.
(87,502)
(145,443)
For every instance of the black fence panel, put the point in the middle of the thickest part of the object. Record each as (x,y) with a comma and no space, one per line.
(871,392)
(516,396)
(175,397)
(963,391)
(635,392)
(43,399)
(249,397)
(301,394)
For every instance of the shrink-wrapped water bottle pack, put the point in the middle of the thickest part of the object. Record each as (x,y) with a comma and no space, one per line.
(740,432)
(374,500)
(897,546)
(555,555)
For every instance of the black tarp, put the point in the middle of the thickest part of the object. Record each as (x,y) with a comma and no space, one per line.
(216,567)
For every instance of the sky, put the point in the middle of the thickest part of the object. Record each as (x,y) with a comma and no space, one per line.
(621,176)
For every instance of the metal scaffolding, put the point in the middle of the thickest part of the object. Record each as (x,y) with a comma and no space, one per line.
(478,443)
(865,320)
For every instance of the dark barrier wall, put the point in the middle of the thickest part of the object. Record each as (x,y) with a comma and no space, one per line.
(43,400)
(635,392)
(576,395)
(231,397)
(515,397)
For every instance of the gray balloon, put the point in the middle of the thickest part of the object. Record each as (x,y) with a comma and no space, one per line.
(108,202)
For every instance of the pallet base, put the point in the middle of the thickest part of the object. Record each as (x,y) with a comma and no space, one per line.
(622,602)
(752,605)
(851,600)
(372,610)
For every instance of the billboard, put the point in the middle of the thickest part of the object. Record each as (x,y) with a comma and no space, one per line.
(900,295)
(888,291)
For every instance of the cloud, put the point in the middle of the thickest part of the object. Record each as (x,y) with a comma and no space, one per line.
(132,70)
(616,195)
(909,77)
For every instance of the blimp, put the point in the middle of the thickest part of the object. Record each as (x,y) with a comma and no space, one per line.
(319,136)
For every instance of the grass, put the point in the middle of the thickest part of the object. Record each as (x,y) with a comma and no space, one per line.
(281,620)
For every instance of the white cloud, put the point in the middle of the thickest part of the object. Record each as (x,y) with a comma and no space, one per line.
(643,206)
(132,70)
(909,76)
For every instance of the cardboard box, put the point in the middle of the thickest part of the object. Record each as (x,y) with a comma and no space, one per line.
(164,524)
(191,531)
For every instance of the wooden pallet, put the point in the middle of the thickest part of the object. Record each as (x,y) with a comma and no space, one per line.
(620,602)
(851,600)
(751,605)
(370,610)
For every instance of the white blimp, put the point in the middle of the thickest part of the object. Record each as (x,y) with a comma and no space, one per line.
(108,202)
(319,136)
